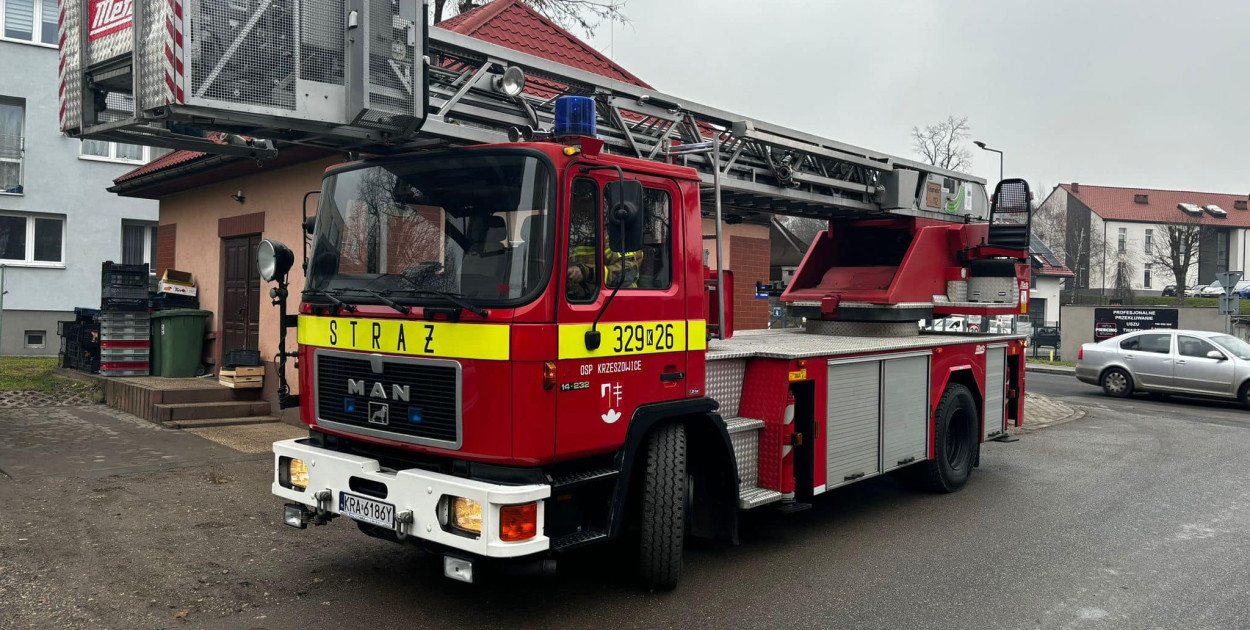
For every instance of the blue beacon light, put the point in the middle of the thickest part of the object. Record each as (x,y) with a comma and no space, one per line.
(575,116)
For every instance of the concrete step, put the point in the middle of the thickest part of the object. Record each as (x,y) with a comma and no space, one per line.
(204,423)
(207,395)
(199,411)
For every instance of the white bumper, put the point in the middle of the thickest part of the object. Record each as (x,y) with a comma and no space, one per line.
(418,491)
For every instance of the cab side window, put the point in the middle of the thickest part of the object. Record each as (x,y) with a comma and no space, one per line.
(652,266)
(1192,347)
(582,275)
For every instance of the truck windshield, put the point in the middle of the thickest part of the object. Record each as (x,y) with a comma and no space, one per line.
(472,225)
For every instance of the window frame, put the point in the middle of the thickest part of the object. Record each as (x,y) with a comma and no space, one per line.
(43,344)
(1210,346)
(29,254)
(20,103)
(149,241)
(603,227)
(1149,241)
(598,238)
(1122,241)
(36,29)
(1137,338)
(1146,278)
(112,156)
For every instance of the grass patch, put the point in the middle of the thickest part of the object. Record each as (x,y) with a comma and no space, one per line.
(36,373)
(1045,362)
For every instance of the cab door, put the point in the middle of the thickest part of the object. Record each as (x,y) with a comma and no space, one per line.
(641,352)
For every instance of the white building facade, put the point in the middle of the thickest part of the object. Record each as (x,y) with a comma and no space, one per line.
(57,221)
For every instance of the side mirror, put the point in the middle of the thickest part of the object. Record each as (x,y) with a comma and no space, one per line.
(1217,355)
(624,215)
(310,223)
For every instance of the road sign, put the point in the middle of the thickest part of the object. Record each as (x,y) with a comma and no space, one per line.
(1230,304)
(1228,279)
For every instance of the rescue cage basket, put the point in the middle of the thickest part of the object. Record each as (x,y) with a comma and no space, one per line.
(159,72)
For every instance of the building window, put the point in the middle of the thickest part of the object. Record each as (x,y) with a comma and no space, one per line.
(138,244)
(36,240)
(30,20)
(12,144)
(1150,241)
(114,152)
(35,339)
(1123,241)
(1146,279)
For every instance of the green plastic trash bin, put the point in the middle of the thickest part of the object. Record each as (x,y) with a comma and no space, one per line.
(178,342)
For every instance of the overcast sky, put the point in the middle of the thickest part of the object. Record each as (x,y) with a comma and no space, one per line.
(1125,93)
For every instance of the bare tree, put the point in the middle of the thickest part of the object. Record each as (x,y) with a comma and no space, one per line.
(583,15)
(1176,249)
(1125,271)
(1050,224)
(942,144)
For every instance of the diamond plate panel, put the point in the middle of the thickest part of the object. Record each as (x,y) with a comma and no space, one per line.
(746,452)
(724,384)
(957,290)
(71,65)
(993,290)
(862,329)
(153,64)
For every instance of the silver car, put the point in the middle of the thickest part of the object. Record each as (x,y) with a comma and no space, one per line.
(1191,362)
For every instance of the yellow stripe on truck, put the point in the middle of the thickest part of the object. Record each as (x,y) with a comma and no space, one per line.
(490,342)
(624,339)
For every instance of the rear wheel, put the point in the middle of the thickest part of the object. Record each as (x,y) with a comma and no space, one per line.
(1117,383)
(955,450)
(664,505)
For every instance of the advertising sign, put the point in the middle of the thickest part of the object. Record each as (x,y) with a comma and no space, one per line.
(1110,322)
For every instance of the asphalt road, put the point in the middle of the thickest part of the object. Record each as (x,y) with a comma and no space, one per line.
(1074,392)
(1132,517)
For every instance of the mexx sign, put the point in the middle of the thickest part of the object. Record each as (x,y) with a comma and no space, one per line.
(108,16)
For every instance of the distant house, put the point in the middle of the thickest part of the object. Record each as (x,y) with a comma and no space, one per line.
(1049,274)
(1109,232)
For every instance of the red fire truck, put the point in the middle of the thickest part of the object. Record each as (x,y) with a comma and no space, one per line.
(513,348)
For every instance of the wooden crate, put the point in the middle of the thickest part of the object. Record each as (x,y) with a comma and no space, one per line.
(242,377)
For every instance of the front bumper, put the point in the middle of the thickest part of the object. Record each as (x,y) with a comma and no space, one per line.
(418,491)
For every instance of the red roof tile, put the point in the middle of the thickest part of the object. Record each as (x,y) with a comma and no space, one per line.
(513,24)
(169,160)
(1118,204)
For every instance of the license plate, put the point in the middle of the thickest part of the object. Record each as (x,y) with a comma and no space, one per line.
(367,510)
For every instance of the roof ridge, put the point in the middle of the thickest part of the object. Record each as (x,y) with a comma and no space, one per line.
(573,39)
(1068,186)
(467,23)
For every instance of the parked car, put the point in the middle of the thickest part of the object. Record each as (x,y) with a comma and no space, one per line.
(1169,291)
(1045,336)
(1191,362)
(1242,289)
(1211,290)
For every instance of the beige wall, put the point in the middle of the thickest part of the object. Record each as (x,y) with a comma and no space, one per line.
(196,212)
(741,229)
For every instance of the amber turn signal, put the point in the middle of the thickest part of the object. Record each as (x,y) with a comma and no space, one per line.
(518,522)
(549,375)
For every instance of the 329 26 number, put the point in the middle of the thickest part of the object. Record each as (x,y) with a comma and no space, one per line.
(643,337)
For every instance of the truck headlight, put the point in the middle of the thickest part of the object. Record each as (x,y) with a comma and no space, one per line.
(293,473)
(466,515)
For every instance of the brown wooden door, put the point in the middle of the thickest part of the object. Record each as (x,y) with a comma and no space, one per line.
(240,316)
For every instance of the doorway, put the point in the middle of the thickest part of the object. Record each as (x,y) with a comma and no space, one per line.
(240,313)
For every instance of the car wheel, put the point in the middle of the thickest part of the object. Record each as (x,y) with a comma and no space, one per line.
(1117,383)
(1243,394)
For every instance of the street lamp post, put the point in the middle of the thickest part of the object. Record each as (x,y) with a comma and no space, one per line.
(1014,318)
(1000,157)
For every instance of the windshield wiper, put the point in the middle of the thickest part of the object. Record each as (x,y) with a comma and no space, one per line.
(404,310)
(453,298)
(337,302)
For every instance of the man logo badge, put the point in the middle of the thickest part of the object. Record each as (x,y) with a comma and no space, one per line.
(379,413)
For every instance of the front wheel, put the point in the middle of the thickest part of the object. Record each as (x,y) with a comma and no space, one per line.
(664,499)
(955,450)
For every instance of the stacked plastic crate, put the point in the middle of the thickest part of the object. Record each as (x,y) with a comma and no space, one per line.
(80,341)
(125,325)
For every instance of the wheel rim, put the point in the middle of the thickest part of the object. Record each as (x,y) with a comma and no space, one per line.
(957,432)
(1116,383)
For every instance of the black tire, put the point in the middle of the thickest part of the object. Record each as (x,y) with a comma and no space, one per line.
(1117,383)
(958,438)
(663,523)
(1243,395)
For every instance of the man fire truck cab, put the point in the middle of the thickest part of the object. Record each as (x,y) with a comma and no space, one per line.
(511,349)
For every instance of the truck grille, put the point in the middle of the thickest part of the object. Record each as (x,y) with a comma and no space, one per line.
(351,394)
